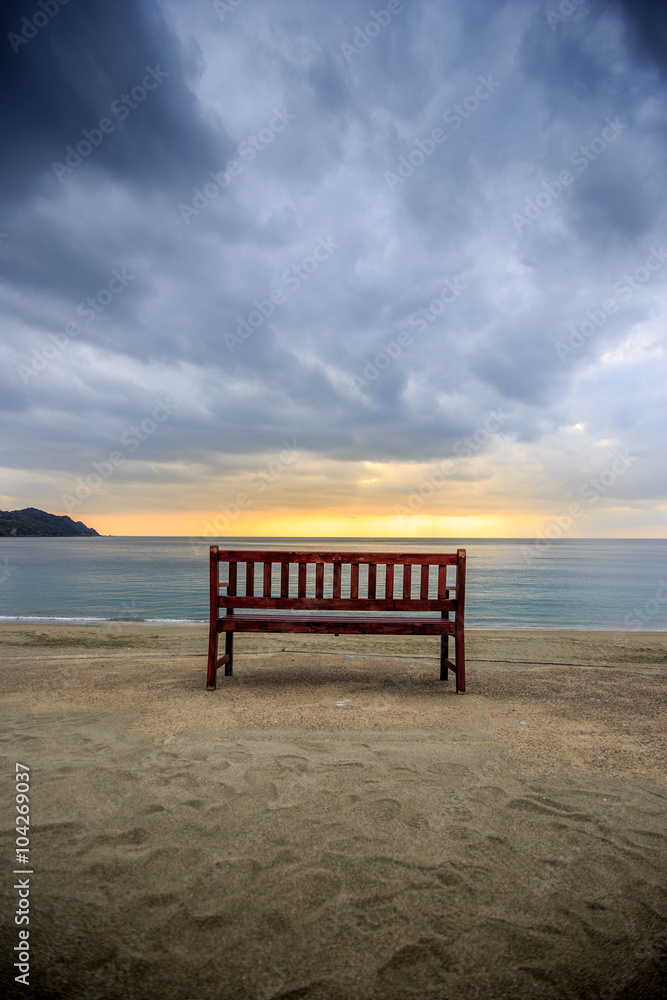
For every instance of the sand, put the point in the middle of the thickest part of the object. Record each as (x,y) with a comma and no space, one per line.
(333,821)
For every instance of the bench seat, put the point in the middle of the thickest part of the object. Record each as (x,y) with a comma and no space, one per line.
(337,625)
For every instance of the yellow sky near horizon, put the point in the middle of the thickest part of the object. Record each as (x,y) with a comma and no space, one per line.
(333,524)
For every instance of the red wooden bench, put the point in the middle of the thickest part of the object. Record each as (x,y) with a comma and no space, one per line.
(340,593)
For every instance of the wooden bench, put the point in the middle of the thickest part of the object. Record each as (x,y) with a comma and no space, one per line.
(339,593)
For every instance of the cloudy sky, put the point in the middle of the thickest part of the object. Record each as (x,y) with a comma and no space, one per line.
(319,267)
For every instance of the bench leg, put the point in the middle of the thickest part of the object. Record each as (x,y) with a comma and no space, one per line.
(212,668)
(444,655)
(214,661)
(459,643)
(229,651)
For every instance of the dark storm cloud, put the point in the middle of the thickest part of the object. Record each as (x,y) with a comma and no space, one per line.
(67,77)
(80,69)
(646,24)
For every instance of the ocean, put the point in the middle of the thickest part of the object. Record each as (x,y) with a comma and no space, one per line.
(616,585)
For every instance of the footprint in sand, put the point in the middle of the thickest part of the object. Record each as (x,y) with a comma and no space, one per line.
(548,807)
(385,809)
(419,968)
(292,764)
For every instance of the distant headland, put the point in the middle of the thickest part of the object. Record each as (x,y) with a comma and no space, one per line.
(30,521)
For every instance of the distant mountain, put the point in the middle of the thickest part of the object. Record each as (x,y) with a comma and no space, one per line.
(37,522)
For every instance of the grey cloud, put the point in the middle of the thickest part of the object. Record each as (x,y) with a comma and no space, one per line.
(325,173)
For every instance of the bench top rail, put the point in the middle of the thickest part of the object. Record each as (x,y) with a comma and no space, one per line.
(360,558)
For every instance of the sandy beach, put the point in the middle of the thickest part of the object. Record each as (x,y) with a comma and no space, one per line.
(334,823)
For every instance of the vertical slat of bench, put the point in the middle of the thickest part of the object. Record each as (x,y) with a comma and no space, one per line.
(389,582)
(302,580)
(423,593)
(354,582)
(407,580)
(250,579)
(284,579)
(267,579)
(459,640)
(336,579)
(442,583)
(231,586)
(319,579)
(372,581)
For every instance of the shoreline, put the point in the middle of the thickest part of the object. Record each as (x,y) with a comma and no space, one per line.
(479,640)
(63,620)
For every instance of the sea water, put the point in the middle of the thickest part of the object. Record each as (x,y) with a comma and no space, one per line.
(617,585)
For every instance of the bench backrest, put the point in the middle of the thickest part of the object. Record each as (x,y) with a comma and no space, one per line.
(339,581)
